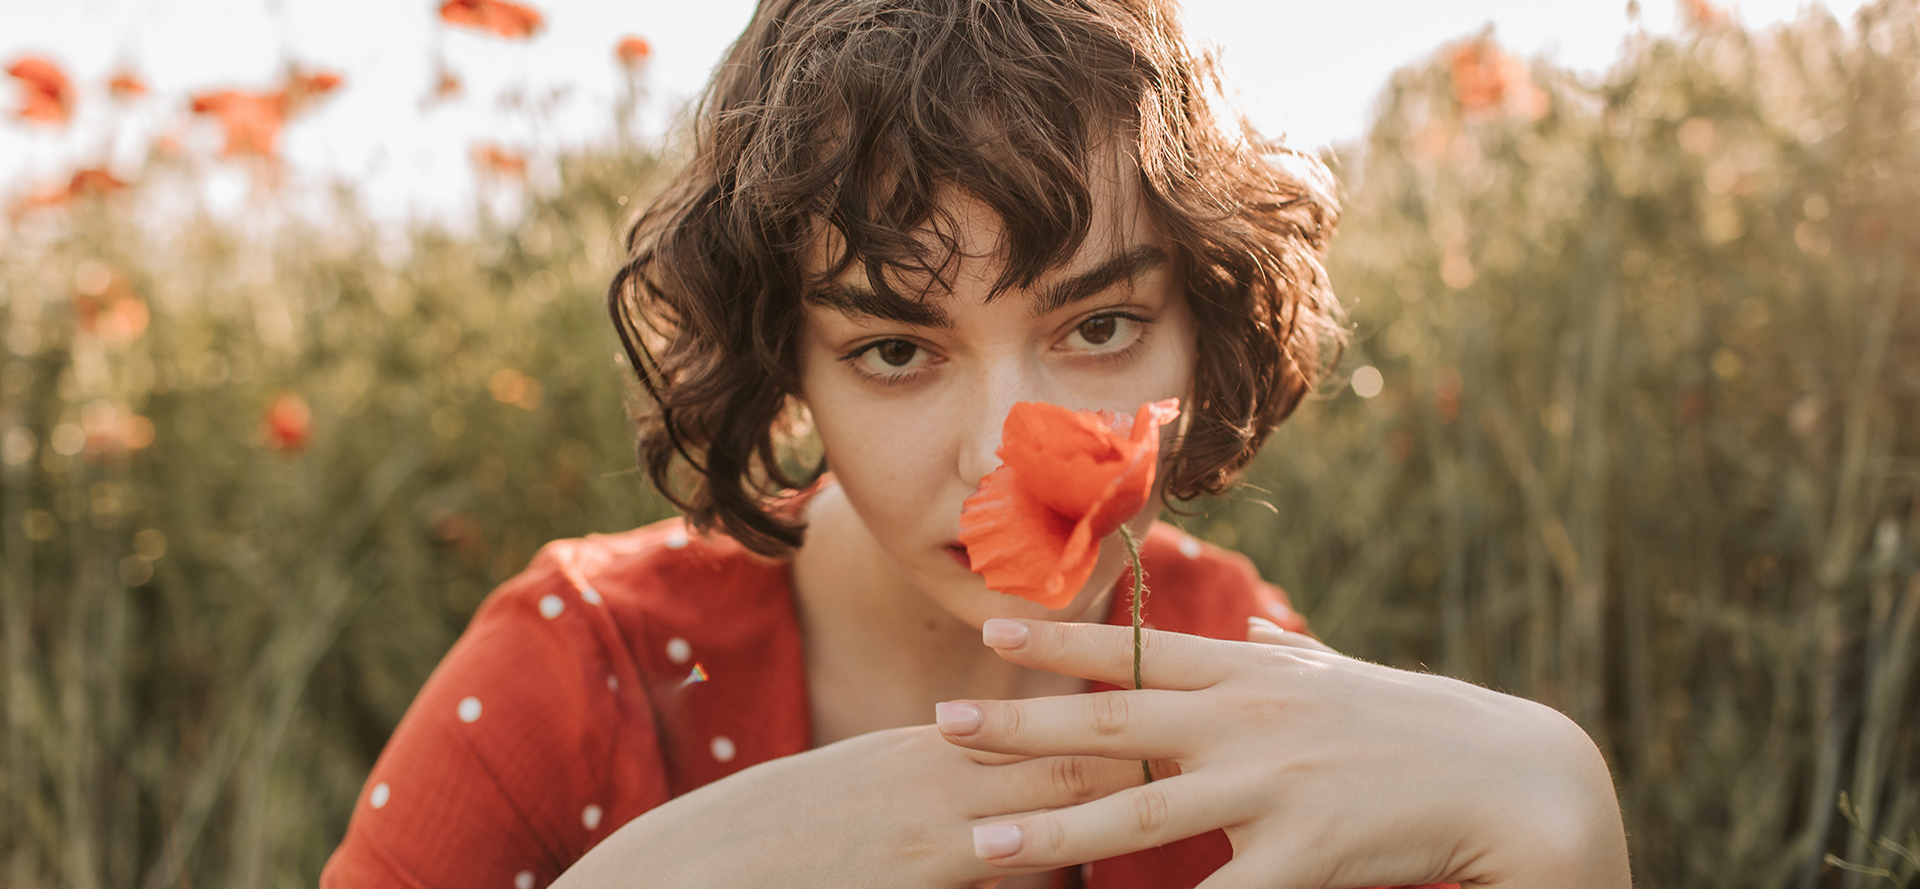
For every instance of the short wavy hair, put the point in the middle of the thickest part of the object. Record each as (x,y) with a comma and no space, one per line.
(859,115)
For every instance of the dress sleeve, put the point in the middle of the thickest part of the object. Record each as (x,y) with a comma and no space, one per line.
(532,741)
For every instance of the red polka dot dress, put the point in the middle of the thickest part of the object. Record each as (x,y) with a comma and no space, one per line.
(619,671)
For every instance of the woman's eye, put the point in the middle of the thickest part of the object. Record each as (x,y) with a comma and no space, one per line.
(1102,333)
(889,358)
(1098,330)
(895,353)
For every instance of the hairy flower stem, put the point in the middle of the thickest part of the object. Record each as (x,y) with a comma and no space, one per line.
(1139,600)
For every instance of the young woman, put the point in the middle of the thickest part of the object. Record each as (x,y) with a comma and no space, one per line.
(904,217)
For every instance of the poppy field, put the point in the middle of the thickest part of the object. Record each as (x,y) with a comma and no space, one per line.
(1630,424)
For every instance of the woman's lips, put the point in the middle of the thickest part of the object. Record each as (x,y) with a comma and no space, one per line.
(959,554)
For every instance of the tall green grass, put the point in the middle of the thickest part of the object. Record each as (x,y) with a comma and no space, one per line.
(1647,448)
(208,639)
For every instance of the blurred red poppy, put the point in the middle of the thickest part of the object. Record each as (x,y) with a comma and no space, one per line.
(446,85)
(127,85)
(46,95)
(93,180)
(499,17)
(633,52)
(492,160)
(85,182)
(1704,14)
(106,306)
(113,430)
(510,386)
(289,423)
(460,531)
(1487,81)
(1067,480)
(302,85)
(253,120)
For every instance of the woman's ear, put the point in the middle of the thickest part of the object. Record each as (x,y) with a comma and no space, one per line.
(802,454)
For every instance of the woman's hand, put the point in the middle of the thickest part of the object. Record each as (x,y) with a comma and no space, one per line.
(892,807)
(1324,770)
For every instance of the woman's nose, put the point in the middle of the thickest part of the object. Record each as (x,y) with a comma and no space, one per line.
(989,399)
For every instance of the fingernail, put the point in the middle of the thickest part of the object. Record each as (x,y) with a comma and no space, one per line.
(955,718)
(1258,621)
(998,840)
(1006,635)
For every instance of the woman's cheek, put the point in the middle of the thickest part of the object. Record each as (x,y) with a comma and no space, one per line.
(886,459)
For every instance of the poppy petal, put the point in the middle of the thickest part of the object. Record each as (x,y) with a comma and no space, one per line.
(1011,540)
(1067,479)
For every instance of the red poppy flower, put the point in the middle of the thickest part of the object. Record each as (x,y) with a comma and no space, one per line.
(289,423)
(93,180)
(84,183)
(302,87)
(510,20)
(1487,81)
(446,85)
(45,93)
(492,160)
(1067,479)
(1703,14)
(105,306)
(113,430)
(633,51)
(252,120)
(127,85)
(315,82)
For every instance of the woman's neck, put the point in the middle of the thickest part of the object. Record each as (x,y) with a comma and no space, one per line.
(879,652)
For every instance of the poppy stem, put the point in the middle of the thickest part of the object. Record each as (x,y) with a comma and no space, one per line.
(1139,597)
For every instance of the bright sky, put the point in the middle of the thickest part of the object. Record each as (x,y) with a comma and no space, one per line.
(1309,70)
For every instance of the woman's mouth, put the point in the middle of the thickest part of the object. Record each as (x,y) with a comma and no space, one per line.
(959,554)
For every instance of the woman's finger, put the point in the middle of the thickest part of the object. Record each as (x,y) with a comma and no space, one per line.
(1105,654)
(1138,818)
(1135,725)
(1266,632)
(1053,782)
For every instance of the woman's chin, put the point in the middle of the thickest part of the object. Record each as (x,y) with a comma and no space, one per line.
(984,604)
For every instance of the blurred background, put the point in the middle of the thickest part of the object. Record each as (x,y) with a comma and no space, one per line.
(302,350)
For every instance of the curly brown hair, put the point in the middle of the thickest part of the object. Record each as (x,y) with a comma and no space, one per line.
(858,114)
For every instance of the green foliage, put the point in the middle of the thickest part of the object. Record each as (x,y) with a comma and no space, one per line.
(1648,450)
(209,638)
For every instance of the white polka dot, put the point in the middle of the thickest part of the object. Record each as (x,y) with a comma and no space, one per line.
(1190,547)
(678,651)
(523,880)
(676,539)
(590,594)
(381,792)
(469,709)
(613,682)
(722,748)
(551,606)
(590,816)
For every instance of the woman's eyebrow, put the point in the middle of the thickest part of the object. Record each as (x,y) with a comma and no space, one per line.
(855,300)
(1111,271)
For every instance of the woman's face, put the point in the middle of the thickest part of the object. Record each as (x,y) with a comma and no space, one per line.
(909,409)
